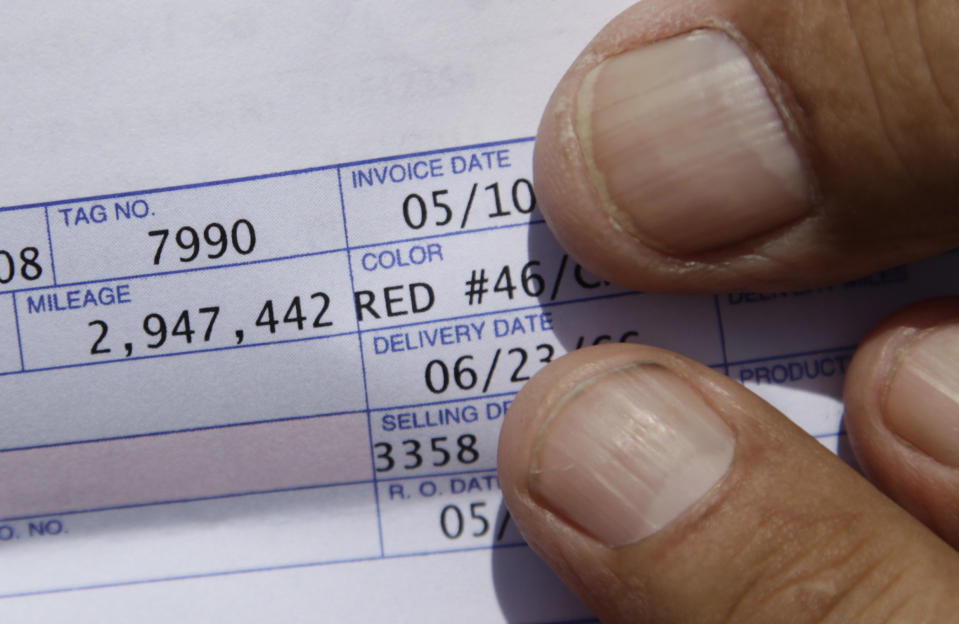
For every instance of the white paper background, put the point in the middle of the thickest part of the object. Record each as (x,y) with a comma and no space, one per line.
(112,96)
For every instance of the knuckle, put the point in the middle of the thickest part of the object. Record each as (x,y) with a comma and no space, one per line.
(911,100)
(831,570)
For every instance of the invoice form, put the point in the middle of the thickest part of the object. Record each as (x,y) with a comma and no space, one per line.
(270,277)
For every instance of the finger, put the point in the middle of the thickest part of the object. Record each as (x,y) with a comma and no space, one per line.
(902,411)
(715,145)
(662,491)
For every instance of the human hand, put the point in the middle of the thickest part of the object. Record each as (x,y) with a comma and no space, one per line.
(713,145)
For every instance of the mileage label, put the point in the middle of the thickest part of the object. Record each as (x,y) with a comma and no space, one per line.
(335,348)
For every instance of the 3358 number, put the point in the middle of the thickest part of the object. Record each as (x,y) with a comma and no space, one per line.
(465,453)
(241,239)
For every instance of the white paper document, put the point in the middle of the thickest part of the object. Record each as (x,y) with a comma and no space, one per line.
(270,277)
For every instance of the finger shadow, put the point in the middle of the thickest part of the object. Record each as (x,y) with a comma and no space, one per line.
(585,310)
(526,588)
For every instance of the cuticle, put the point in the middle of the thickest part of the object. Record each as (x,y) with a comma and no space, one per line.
(901,350)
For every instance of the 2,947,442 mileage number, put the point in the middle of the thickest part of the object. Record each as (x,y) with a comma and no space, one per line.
(186,326)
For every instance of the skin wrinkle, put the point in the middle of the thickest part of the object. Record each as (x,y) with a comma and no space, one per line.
(891,37)
(875,99)
(927,62)
(850,586)
(790,571)
(761,565)
(860,580)
(895,613)
(837,537)
(887,590)
(916,73)
(637,610)
(750,588)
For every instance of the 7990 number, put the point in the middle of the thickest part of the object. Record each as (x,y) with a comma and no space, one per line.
(241,239)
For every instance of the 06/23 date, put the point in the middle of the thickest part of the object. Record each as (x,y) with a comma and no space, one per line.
(297,314)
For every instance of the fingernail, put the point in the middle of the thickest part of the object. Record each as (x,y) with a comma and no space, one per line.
(922,400)
(626,452)
(686,146)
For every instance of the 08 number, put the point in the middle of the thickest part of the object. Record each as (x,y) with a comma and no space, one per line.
(30,268)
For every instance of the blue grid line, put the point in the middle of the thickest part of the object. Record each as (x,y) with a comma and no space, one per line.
(53,264)
(16,321)
(436,475)
(724,365)
(311,338)
(465,399)
(276,568)
(366,394)
(230,265)
(182,501)
(795,354)
(266,421)
(836,434)
(306,254)
(266,492)
(154,356)
(150,434)
(414,239)
(279,174)
(537,306)
(722,334)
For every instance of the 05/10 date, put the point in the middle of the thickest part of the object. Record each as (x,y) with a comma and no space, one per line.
(161,330)
(418,212)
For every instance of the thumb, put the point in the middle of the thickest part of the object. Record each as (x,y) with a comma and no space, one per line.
(662,491)
(717,145)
